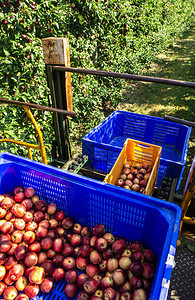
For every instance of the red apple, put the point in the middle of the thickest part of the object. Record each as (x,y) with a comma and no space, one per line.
(58,260)
(67,250)
(19,224)
(53,223)
(137,255)
(38,216)
(45,223)
(28,204)
(68,263)
(48,266)
(35,247)
(118,246)
(10,293)
(31,259)
(136,246)
(58,274)
(41,232)
(31,290)
(17,236)
(82,296)
(60,215)
(91,270)
(80,280)
(81,263)
(71,276)
(77,228)
(2,272)
(90,286)
(3,213)
(140,294)
(29,237)
(51,253)
(93,240)
(36,275)
(70,290)
(149,255)
(106,282)
(102,266)
(7,280)
(120,182)
(86,240)
(99,230)
(61,231)
(109,237)
(31,226)
(21,283)
(101,244)
(51,209)
(85,250)
(16,272)
(108,253)
(46,243)
(136,268)
(20,251)
(2,258)
(7,203)
(41,205)
(112,264)
(85,231)
(109,293)
(29,192)
(2,287)
(42,256)
(148,270)
(22,297)
(7,228)
(18,210)
(95,257)
(10,262)
(58,245)
(119,276)
(136,283)
(67,223)
(47,285)
(18,189)
(124,262)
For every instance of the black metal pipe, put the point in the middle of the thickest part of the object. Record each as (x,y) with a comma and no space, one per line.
(180,121)
(126,76)
(41,107)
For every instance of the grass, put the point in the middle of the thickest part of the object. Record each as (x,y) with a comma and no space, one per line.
(160,100)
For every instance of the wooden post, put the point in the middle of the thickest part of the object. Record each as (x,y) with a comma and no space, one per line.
(56,52)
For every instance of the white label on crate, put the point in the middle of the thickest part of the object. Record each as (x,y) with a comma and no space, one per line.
(170,260)
(165,283)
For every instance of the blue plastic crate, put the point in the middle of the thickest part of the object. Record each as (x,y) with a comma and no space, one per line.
(103,144)
(127,214)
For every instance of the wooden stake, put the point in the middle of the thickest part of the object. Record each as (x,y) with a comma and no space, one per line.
(56,52)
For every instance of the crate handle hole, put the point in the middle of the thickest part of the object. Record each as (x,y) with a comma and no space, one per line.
(141,145)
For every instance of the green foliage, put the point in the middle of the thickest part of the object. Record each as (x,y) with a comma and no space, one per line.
(120,36)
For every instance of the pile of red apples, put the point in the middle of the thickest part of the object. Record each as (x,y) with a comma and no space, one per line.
(40,246)
(134,176)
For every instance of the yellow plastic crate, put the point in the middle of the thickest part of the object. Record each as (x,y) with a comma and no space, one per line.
(137,152)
